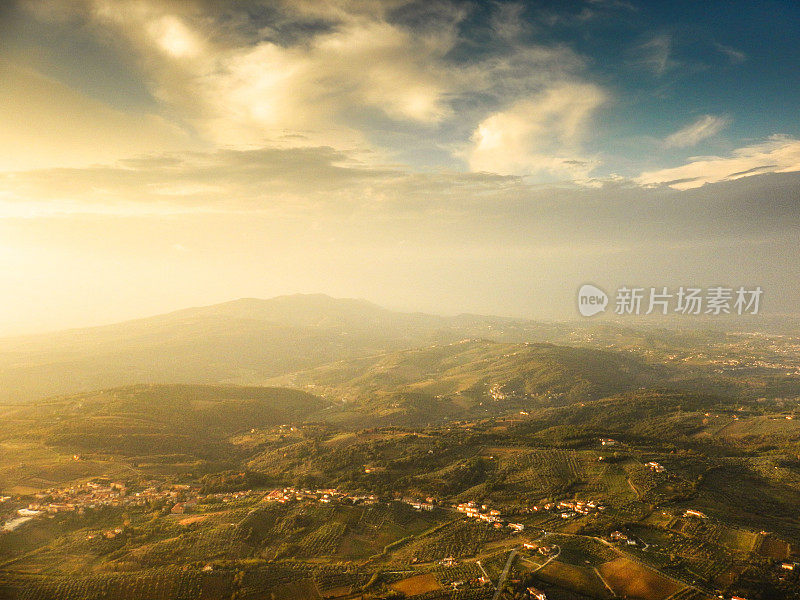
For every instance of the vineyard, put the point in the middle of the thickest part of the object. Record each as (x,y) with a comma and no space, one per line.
(457,539)
(207,543)
(548,472)
(323,541)
(166,582)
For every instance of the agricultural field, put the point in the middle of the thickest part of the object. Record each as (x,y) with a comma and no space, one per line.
(417,585)
(631,579)
(580,579)
(221,493)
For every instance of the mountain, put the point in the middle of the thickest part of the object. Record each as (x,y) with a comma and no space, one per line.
(240,341)
(252,341)
(244,341)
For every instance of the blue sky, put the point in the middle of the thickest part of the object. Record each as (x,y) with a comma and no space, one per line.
(660,66)
(468,142)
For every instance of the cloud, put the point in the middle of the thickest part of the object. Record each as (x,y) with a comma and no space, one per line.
(654,54)
(778,154)
(735,56)
(508,22)
(350,75)
(240,89)
(705,127)
(225,180)
(541,134)
(320,189)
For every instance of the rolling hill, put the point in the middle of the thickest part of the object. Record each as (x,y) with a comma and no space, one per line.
(244,341)
(160,428)
(471,379)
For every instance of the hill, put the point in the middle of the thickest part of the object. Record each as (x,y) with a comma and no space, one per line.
(244,341)
(471,379)
(252,341)
(157,428)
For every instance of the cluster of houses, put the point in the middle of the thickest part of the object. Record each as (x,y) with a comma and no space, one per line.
(569,509)
(488,515)
(80,497)
(323,496)
(109,534)
(93,495)
(655,467)
(618,536)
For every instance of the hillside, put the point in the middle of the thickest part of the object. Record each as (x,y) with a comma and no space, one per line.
(245,341)
(471,379)
(252,341)
(157,428)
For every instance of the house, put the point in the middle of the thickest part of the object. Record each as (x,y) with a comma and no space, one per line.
(536,593)
(694,513)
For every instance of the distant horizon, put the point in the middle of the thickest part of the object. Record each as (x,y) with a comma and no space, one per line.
(670,321)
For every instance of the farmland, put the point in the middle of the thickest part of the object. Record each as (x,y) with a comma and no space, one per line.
(219,492)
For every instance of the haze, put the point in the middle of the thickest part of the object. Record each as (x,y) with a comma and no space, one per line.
(439,156)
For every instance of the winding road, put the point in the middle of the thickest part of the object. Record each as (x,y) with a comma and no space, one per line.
(504,574)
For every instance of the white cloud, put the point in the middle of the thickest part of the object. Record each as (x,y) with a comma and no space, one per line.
(778,154)
(654,54)
(735,56)
(703,128)
(539,135)
(243,94)
(349,73)
(173,37)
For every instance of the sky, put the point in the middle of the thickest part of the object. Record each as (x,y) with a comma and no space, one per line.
(444,156)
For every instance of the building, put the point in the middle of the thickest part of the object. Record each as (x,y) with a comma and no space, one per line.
(536,593)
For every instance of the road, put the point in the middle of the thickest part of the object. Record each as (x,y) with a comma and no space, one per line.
(485,574)
(504,574)
(539,567)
